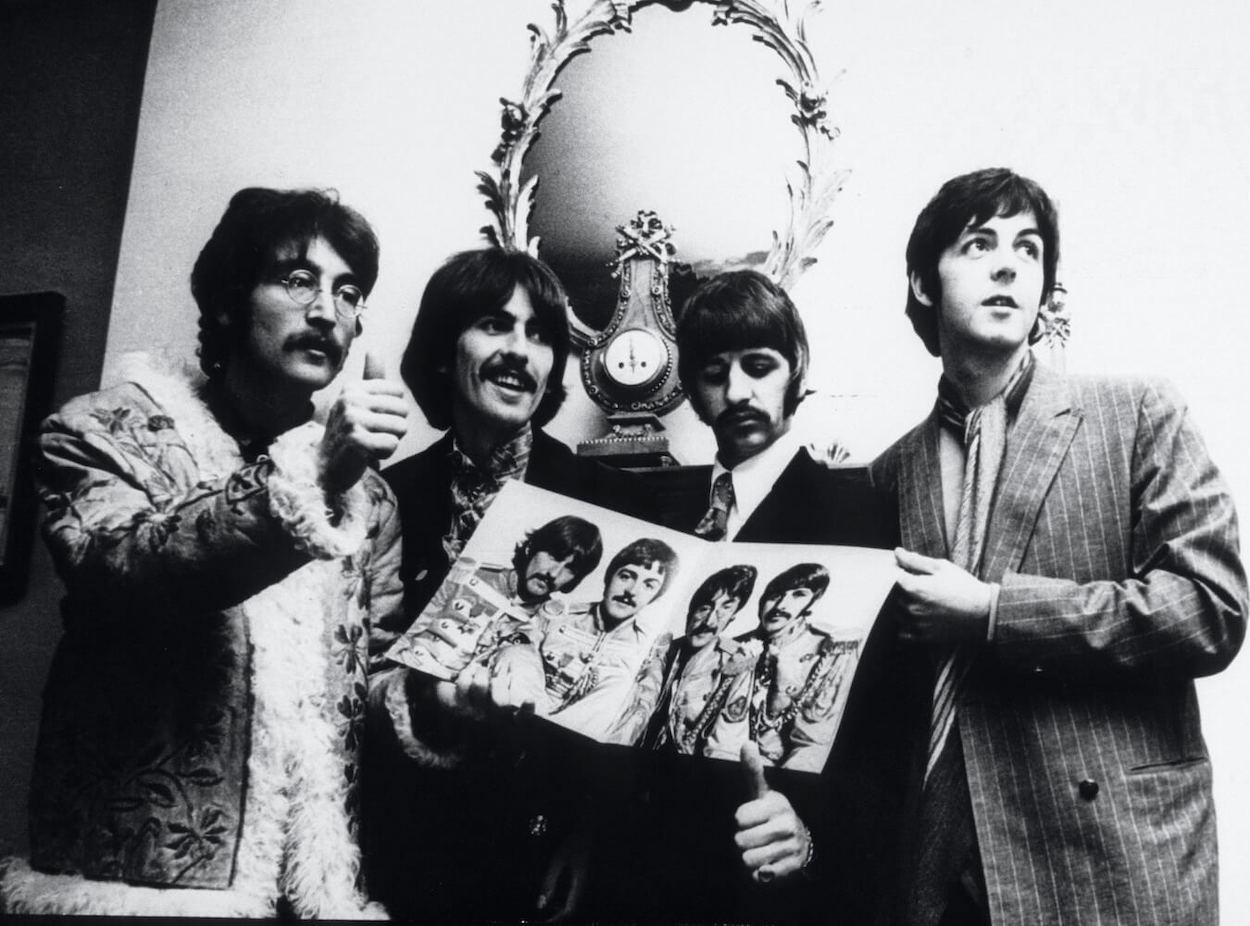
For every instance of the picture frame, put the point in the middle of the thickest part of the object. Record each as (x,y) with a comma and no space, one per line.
(30,326)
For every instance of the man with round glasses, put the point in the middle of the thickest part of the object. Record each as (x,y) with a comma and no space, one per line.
(225,559)
(303,287)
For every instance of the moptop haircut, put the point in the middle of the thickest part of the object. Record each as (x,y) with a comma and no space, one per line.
(563,537)
(732,582)
(645,552)
(740,310)
(966,200)
(258,225)
(811,576)
(469,286)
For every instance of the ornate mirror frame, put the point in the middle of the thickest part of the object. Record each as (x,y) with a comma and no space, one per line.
(811,186)
(778,24)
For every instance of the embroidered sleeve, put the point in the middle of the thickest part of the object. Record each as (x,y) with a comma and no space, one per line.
(383,590)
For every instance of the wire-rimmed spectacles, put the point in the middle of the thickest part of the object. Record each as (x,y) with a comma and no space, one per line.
(303,288)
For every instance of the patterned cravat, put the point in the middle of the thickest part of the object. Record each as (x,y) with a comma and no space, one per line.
(714,523)
(473,488)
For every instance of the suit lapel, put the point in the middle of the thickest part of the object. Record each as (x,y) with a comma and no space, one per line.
(1036,446)
(921,521)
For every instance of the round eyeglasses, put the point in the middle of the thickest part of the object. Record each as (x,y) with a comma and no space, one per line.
(303,288)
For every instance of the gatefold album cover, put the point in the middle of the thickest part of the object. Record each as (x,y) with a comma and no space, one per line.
(633,634)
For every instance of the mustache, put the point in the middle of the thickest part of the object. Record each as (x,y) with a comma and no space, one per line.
(740,414)
(514,366)
(625,598)
(548,582)
(311,340)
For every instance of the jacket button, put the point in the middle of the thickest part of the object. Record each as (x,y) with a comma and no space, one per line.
(1088,789)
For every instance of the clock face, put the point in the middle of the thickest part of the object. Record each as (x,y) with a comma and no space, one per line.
(635,357)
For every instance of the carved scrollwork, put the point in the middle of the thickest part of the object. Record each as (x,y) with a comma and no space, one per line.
(1056,320)
(780,25)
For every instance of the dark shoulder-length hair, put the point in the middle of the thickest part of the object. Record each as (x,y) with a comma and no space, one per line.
(258,224)
(971,199)
(740,310)
(470,285)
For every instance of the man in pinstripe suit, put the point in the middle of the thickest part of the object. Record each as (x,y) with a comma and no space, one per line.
(1070,563)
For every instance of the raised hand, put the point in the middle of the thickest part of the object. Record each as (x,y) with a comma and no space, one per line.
(363,428)
(774,842)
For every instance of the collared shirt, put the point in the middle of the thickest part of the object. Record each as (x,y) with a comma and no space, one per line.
(753,479)
(591,671)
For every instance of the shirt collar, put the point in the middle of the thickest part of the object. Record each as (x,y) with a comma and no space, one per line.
(753,478)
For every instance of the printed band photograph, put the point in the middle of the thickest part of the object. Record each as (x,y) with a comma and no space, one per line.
(636,635)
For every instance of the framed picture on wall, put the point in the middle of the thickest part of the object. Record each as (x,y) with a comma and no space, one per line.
(30,325)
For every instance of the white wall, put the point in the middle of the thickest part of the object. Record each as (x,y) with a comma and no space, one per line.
(1132,116)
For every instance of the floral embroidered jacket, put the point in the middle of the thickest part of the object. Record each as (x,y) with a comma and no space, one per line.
(203,716)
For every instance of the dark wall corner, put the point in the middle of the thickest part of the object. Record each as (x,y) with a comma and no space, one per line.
(71,87)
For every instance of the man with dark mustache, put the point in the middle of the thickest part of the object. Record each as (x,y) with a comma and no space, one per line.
(591,656)
(1069,565)
(678,710)
(811,844)
(224,557)
(486,361)
(791,699)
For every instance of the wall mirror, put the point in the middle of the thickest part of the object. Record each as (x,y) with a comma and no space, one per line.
(710,114)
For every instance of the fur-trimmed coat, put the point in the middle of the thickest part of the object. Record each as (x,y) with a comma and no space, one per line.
(203,717)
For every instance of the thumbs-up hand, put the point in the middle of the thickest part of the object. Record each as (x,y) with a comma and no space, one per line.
(363,428)
(753,770)
(374,367)
(774,842)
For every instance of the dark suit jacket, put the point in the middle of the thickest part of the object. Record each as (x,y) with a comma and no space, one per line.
(680,858)
(1115,541)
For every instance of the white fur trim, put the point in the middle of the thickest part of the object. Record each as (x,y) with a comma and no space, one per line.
(176,389)
(388,690)
(296,801)
(25,891)
(299,503)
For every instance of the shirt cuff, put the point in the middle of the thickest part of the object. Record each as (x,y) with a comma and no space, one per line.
(992,623)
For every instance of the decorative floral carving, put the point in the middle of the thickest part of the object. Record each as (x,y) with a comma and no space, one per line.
(1055,319)
(778,24)
(645,235)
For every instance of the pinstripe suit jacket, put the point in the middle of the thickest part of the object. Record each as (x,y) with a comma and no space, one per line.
(1115,542)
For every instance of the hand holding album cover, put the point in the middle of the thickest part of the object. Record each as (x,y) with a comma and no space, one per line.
(633,634)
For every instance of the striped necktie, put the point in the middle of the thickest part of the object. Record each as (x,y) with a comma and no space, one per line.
(715,522)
